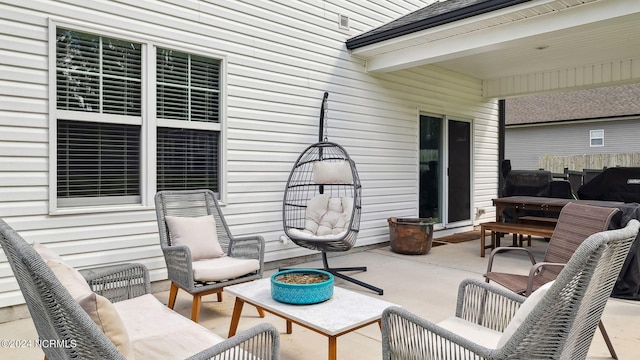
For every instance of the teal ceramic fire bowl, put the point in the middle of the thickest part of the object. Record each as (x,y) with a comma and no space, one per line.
(302,294)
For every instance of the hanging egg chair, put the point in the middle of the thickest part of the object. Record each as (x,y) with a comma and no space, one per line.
(322,201)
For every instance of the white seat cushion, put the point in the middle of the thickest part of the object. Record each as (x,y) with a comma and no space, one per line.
(198,233)
(307,235)
(157,332)
(223,268)
(477,333)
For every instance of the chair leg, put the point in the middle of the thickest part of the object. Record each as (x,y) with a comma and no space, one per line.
(603,331)
(173,293)
(220,296)
(336,272)
(195,307)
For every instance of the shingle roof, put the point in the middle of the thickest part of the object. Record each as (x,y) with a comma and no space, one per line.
(596,103)
(438,13)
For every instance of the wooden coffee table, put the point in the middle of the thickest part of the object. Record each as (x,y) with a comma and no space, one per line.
(345,312)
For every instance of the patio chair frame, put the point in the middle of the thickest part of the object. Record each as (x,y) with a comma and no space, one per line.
(194,203)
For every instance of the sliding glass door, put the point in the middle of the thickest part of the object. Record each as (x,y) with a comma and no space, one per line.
(445,170)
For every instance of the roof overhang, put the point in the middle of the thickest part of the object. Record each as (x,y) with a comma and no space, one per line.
(531,47)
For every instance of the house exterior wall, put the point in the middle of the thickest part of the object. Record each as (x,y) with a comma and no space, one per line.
(280,56)
(525,145)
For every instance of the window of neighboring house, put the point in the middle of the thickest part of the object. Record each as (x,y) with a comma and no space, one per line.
(99,120)
(596,138)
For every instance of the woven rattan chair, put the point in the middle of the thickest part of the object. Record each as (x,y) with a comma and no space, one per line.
(575,223)
(559,323)
(180,265)
(60,319)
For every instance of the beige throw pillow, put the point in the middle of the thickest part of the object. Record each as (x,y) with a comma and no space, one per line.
(97,307)
(197,233)
(104,314)
(527,306)
(336,172)
(45,253)
(69,277)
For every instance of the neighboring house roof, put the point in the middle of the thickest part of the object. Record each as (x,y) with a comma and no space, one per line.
(596,103)
(438,13)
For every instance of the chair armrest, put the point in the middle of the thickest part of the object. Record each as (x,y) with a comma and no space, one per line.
(534,270)
(486,304)
(179,268)
(261,341)
(505,249)
(118,282)
(247,247)
(408,336)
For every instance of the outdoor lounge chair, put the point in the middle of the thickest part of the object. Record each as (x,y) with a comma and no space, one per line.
(575,223)
(557,321)
(201,254)
(112,315)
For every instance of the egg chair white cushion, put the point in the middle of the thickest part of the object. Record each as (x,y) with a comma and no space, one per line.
(327,218)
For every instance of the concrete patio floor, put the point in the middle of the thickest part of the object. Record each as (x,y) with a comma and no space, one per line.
(424,284)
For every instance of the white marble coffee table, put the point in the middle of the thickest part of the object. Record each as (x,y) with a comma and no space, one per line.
(346,311)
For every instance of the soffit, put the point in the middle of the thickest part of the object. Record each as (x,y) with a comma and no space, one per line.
(521,39)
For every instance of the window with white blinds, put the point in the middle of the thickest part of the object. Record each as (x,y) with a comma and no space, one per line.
(98,160)
(97,74)
(187,89)
(187,159)
(100,112)
(98,152)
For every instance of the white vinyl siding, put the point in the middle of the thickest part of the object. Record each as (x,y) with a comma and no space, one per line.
(278,57)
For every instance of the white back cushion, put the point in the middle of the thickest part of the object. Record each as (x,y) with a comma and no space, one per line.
(197,233)
(332,172)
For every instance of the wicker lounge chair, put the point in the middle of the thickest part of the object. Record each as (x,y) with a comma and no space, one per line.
(60,319)
(202,272)
(556,321)
(575,223)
